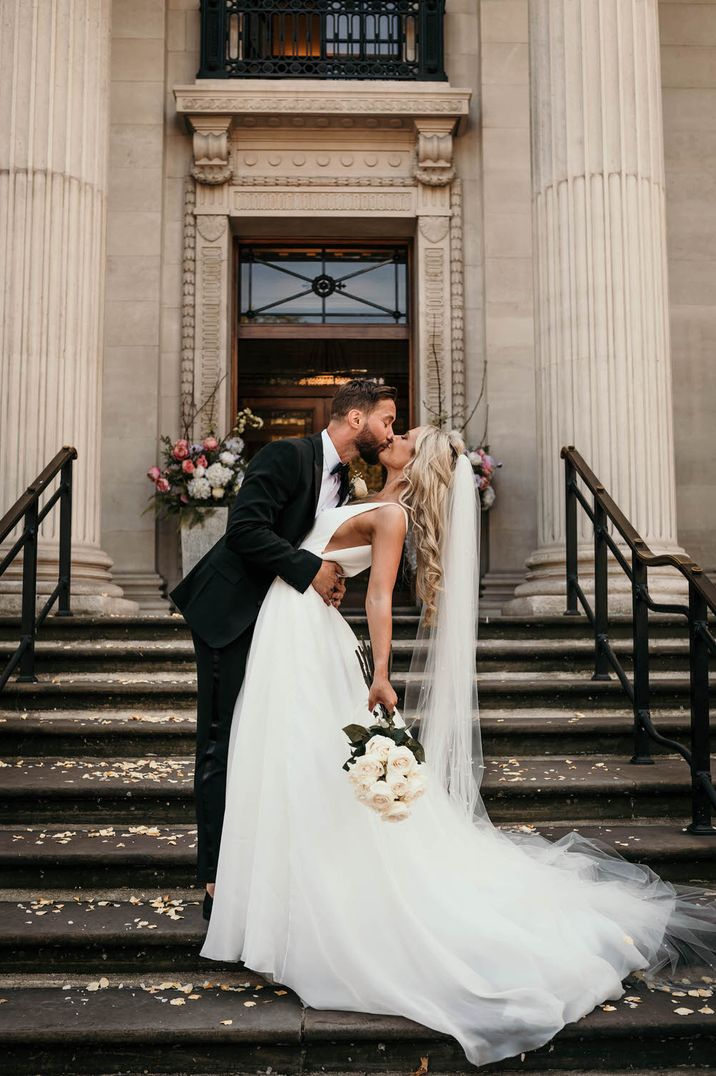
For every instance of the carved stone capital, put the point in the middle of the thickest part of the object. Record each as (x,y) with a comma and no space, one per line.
(211,149)
(434,149)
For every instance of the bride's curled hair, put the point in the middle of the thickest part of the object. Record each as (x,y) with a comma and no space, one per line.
(425,495)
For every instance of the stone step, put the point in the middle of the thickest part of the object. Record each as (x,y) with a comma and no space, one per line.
(234,1022)
(116,654)
(405,621)
(121,732)
(94,789)
(82,857)
(161,689)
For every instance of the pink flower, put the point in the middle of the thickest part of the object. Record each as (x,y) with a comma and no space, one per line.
(484,482)
(202,461)
(154,473)
(210,443)
(180,450)
(187,467)
(183,498)
(162,485)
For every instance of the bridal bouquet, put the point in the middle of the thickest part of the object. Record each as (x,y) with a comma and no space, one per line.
(385,761)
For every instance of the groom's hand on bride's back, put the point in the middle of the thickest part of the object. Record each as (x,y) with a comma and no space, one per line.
(328,581)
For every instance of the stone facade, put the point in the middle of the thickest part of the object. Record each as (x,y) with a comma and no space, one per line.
(192,164)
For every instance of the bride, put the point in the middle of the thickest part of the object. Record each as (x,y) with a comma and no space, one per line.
(496,938)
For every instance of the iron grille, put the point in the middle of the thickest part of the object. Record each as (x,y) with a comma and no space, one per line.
(357,39)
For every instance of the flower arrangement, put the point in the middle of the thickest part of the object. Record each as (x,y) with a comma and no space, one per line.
(385,762)
(483,467)
(196,475)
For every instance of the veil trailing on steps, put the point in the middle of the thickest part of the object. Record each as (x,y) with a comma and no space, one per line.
(442,692)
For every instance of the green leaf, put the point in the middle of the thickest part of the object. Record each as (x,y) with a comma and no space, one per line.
(357,734)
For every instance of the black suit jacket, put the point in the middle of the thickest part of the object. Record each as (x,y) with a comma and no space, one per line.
(271,515)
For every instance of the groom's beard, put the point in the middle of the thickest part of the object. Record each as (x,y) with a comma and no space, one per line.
(369,448)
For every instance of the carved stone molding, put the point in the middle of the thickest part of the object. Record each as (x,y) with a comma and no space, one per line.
(434,165)
(393,202)
(211,149)
(457,302)
(322,181)
(365,100)
(434,228)
(211,226)
(188,299)
(433,326)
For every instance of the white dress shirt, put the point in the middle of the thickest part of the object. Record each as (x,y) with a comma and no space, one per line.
(330,483)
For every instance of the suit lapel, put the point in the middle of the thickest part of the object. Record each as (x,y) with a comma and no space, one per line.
(344,488)
(317,442)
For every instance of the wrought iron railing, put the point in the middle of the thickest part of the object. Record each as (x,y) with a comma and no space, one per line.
(336,39)
(702,600)
(27,509)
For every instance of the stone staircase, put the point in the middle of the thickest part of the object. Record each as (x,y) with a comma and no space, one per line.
(100,921)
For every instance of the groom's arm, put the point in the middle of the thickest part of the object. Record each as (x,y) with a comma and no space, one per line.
(269,484)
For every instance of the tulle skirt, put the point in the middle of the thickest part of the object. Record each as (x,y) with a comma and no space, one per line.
(498,938)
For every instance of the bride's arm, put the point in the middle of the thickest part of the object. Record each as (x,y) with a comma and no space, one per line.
(387,541)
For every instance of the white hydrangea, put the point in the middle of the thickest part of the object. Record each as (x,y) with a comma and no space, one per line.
(218,475)
(199,488)
(227,458)
(488,497)
(235,445)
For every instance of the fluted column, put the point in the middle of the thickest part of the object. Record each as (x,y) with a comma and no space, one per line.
(603,369)
(54,85)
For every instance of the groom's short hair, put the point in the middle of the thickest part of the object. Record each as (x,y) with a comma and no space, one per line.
(361,393)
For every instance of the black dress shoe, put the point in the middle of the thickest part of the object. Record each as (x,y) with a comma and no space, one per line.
(208,905)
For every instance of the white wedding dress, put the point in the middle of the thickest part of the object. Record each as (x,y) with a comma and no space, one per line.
(496,938)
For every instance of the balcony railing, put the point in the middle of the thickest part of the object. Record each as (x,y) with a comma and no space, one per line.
(332,39)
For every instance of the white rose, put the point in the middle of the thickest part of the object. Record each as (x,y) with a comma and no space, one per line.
(400,760)
(380,796)
(474,457)
(397,782)
(227,458)
(380,746)
(488,496)
(218,492)
(359,487)
(396,813)
(366,769)
(199,471)
(415,787)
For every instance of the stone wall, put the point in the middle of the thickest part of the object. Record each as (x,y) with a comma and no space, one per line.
(688,74)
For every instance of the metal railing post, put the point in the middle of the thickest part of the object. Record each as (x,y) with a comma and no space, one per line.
(699,692)
(29,588)
(570,502)
(65,566)
(640,642)
(601,593)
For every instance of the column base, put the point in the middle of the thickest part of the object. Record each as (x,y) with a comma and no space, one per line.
(148,589)
(543,591)
(92,590)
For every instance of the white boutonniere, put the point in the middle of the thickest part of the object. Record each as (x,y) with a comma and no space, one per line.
(358,488)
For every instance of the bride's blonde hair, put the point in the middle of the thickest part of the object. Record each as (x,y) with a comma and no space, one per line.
(427,481)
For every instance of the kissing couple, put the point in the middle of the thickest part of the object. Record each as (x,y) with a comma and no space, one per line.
(498,938)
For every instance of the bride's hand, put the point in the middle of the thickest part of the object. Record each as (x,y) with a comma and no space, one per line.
(381,691)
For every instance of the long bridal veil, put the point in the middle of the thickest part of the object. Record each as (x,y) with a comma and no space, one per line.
(442,693)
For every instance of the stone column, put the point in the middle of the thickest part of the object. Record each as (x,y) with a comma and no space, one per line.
(603,370)
(54,76)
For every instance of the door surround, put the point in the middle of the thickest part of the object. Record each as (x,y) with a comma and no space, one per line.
(334,156)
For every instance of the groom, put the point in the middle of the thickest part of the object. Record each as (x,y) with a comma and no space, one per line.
(285,486)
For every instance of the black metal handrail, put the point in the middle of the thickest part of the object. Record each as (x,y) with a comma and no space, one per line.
(702,599)
(332,39)
(27,508)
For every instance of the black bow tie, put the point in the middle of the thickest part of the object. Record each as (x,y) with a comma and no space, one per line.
(341,468)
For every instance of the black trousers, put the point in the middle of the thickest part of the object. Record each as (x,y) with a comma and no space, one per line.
(220,674)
